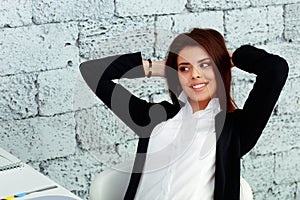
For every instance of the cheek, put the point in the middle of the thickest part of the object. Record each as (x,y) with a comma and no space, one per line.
(210,74)
(182,79)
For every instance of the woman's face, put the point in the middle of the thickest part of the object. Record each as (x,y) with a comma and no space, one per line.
(196,76)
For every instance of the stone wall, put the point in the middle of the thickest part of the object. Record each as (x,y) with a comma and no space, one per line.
(51,119)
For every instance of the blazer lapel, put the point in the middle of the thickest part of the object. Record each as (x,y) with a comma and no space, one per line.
(219,169)
(137,168)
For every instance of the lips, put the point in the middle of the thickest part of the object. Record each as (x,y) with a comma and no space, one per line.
(198,85)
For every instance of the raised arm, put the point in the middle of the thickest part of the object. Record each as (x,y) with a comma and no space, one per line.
(140,115)
(158,68)
(272,72)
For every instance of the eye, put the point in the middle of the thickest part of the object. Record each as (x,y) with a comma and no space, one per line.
(204,65)
(182,69)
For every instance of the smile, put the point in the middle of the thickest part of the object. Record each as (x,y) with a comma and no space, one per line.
(198,86)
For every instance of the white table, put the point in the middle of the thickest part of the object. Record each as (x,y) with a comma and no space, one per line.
(26,179)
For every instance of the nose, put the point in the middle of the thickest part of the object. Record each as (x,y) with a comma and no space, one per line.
(196,73)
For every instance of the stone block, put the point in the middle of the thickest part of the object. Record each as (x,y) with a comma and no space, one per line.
(100,131)
(287,166)
(290,97)
(196,5)
(258,3)
(280,134)
(15,13)
(278,192)
(38,48)
(168,27)
(75,173)
(151,7)
(18,96)
(259,171)
(57,90)
(292,22)
(116,36)
(64,90)
(283,191)
(49,11)
(242,26)
(39,138)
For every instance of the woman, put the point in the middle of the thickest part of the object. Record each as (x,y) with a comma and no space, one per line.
(198,72)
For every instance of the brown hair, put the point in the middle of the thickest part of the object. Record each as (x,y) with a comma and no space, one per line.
(214,44)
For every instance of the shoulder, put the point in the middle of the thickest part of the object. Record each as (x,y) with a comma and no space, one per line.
(171,109)
(226,121)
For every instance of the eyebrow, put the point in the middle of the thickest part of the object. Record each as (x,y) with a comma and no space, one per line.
(199,61)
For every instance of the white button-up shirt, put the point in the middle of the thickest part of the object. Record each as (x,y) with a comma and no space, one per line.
(180,162)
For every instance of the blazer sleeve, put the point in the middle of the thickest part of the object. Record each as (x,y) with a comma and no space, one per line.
(271,74)
(141,116)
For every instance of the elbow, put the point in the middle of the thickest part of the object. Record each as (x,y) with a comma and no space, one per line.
(285,68)
(282,69)
(82,69)
(89,74)
(278,70)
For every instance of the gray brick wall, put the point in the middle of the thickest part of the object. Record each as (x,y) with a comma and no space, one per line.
(50,119)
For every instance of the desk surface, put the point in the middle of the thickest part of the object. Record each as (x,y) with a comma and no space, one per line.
(26,179)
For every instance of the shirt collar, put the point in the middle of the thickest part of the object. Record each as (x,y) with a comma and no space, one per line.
(213,105)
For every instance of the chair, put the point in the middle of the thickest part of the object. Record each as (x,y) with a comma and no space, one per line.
(111,184)
(245,190)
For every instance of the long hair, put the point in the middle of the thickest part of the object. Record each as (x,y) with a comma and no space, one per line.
(214,44)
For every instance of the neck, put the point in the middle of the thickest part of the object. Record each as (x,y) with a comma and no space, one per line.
(198,105)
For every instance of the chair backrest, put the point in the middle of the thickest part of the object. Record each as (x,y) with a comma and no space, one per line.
(245,190)
(111,184)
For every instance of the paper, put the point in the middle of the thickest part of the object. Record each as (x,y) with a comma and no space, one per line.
(26,179)
(8,161)
(20,180)
(52,198)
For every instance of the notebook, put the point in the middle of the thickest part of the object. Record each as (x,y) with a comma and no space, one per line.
(17,177)
(8,161)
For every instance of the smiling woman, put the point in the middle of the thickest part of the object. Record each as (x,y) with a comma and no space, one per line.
(210,45)
(190,149)
(196,76)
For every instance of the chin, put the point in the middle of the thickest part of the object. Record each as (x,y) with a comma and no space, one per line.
(199,97)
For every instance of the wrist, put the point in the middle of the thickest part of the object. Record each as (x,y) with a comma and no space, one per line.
(158,68)
(147,64)
(149,68)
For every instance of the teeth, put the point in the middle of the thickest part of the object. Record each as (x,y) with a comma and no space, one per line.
(198,86)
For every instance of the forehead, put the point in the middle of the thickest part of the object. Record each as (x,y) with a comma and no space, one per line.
(192,53)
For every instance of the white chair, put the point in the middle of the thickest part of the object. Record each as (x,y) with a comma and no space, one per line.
(111,184)
(245,190)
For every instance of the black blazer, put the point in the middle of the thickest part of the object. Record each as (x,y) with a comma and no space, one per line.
(236,136)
